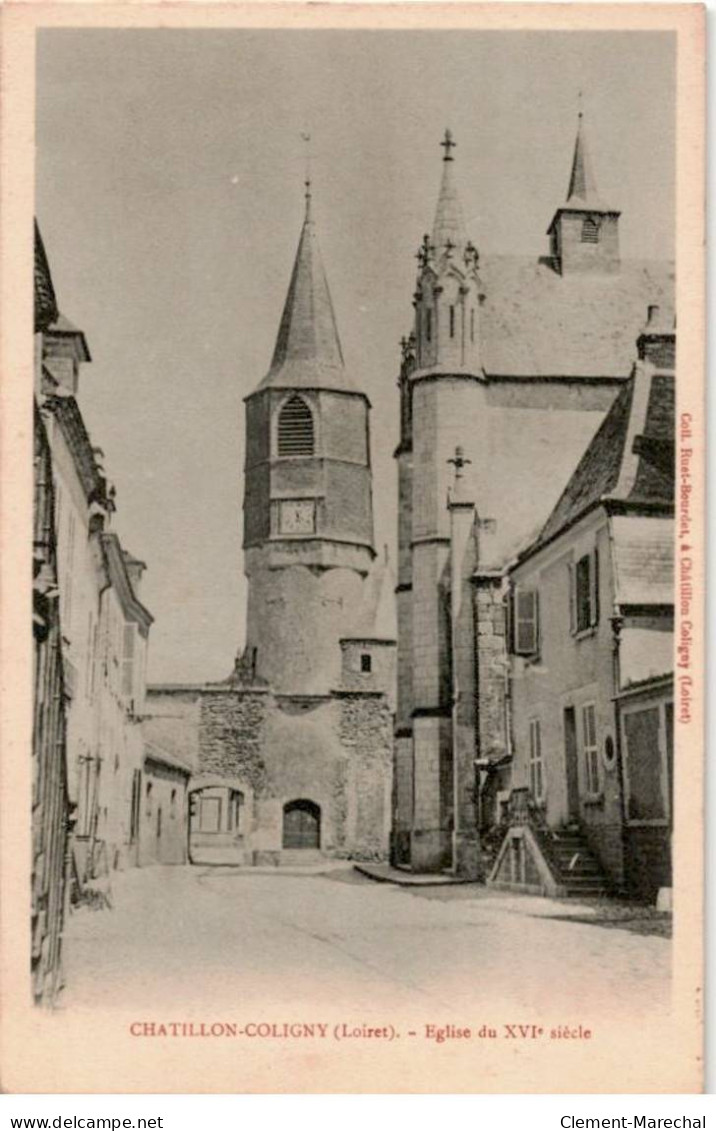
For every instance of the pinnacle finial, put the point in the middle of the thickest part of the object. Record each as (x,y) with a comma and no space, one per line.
(447,143)
(580,105)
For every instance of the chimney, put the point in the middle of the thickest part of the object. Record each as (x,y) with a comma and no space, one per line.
(657,341)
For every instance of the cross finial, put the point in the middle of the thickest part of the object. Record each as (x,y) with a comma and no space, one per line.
(425,251)
(447,143)
(471,255)
(459,460)
(306,138)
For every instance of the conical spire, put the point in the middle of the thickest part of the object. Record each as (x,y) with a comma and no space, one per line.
(308,350)
(582,191)
(449,227)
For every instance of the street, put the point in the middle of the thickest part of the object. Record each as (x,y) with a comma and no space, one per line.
(242,941)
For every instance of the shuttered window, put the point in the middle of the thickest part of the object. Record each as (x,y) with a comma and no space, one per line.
(128,641)
(536,763)
(584,592)
(526,622)
(590,231)
(590,749)
(295,429)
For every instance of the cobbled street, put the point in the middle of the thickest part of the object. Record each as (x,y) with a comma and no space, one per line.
(303,941)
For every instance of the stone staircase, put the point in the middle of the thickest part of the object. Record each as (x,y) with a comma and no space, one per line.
(579,871)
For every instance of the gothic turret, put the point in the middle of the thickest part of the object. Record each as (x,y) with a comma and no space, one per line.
(308,522)
(448,293)
(584,233)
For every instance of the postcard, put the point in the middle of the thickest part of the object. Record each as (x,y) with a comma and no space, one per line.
(353,480)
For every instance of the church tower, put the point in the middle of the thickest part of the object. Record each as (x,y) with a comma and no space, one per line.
(584,233)
(308,520)
(443,409)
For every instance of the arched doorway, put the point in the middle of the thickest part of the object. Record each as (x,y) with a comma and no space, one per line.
(301,825)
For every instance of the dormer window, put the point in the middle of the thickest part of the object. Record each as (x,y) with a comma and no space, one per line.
(295,429)
(590,230)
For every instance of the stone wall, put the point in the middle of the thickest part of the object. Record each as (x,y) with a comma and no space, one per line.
(366,725)
(334,751)
(490,627)
(230,736)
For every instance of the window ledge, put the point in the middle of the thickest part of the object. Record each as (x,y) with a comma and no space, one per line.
(584,633)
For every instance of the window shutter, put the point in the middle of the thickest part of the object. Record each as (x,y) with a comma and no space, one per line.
(509,620)
(526,622)
(295,429)
(572,598)
(594,587)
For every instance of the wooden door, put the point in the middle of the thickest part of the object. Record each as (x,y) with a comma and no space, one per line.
(301,825)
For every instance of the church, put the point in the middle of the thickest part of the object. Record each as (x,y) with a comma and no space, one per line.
(415,718)
(510,368)
(292,755)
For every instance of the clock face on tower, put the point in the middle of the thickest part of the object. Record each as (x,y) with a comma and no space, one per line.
(297,516)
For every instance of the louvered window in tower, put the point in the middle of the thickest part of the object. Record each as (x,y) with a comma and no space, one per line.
(295,429)
(590,231)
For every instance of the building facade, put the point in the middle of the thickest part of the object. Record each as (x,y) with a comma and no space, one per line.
(51,822)
(292,755)
(98,624)
(508,372)
(593,617)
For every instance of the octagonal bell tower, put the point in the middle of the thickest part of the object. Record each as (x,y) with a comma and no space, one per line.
(308,516)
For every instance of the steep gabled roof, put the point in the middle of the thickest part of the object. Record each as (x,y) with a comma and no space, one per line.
(72,426)
(45,302)
(308,351)
(538,323)
(618,466)
(120,580)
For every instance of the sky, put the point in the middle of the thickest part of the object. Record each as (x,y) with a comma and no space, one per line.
(169,192)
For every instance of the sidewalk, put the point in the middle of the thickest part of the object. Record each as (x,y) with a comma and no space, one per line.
(386,874)
(599,912)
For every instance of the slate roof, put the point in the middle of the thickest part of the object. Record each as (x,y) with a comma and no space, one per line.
(45,301)
(116,564)
(69,418)
(615,467)
(449,223)
(155,753)
(582,192)
(308,351)
(377,619)
(538,323)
